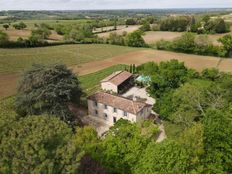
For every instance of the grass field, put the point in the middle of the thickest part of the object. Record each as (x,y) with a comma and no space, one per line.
(17,60)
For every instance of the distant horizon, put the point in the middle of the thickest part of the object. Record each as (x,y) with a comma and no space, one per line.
(80,5)
(181,8)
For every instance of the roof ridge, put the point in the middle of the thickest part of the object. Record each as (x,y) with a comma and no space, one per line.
(133,105)
(115,74)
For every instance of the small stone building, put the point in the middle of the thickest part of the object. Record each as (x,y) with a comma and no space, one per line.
(118,82)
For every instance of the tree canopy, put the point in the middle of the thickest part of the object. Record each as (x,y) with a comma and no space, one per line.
(48,90)
(135,39)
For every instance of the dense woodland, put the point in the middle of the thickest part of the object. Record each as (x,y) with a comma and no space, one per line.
(39,134)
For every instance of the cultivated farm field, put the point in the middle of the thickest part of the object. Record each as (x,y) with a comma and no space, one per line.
(152,37)
(120,30)
(91,58)
(14,61)
(17,60)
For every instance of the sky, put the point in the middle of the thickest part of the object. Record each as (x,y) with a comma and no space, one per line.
(109,4)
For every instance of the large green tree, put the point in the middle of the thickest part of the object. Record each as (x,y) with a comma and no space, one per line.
(135,39)
(167,157)
(218,142)
(30,145)
(189,103)
(170,75)
(123,145)
(227,43)
(48,89)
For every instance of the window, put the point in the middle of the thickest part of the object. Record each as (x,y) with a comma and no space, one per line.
(106,116)
(106,107)
(95,104)
(114,119)
(115,110)
(96,112)
(125,113)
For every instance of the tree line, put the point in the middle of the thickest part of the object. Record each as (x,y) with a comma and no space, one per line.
(190,43)
(203,25)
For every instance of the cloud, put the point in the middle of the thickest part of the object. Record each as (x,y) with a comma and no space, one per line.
(108,4)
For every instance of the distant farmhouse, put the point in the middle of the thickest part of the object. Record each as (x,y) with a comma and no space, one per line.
(110,105)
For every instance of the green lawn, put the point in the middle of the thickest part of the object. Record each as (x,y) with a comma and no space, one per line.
(17,60)
(90,83)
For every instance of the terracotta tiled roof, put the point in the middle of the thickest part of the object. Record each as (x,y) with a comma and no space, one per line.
(118,77)
(121,103)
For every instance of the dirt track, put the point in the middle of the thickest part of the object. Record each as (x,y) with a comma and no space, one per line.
(9,81)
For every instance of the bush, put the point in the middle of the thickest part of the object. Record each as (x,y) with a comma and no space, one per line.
(4,38)
(20,26)
(135,39)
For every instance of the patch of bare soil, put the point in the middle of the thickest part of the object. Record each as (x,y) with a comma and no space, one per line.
(8,84)
(15,34)
(154,36)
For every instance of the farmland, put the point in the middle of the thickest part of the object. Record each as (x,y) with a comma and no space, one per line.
(153,36)
(30,23)
(17,60)
(86,59)
(120,30)
(25,33)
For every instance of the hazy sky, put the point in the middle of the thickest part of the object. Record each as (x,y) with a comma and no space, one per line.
(108,4)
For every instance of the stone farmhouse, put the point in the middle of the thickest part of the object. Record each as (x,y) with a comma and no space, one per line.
(108,106)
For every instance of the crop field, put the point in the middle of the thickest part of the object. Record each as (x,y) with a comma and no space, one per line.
(88,59)
(17,60)
(152,37)
(120,30)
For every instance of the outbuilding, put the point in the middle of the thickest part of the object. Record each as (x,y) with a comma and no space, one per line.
(118,82)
